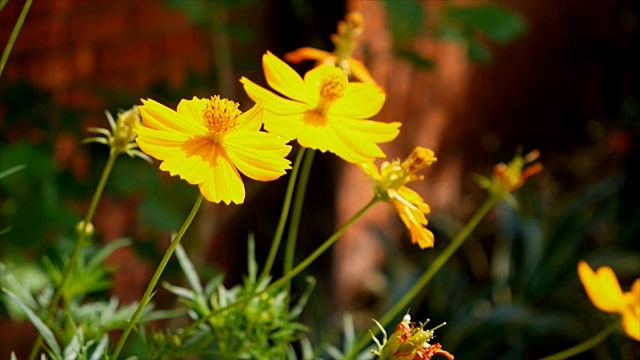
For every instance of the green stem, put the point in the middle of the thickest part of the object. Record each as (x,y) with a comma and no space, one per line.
(14,34)
(156,276)
(295,271)
(435,266)
(582,347)
(294,225)
(277,237)
(66,275)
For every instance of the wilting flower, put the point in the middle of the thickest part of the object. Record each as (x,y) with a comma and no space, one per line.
(324,111)
(345,43)
(409,341)
(389,185)
(208,141)
(122,135)
(510,177)
(603,289)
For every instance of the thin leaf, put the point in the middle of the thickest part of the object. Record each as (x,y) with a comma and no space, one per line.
(98,353)
(45,332)
(189,270)
(72,350)
(179,291)
(251,259)
(100,256)
(12,170)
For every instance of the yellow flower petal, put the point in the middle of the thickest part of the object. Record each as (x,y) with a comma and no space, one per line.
(415,220)
(192,109)
(602,287)
(159,143)
(360,100)
(252,119)
(306,53)
(360,72)
(272,102)
(375,131)
(286,126)
(282,78)
(258,155)
(158,116)
(188,163)
(223,181)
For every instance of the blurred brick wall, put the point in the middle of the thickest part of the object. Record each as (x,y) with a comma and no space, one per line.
(65,46)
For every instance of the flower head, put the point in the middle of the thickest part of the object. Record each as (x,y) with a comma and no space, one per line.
(122,134)
(389,185)
(510,177)
(209,141)
(409,341)
(345,42)
(324,111)
(604,291)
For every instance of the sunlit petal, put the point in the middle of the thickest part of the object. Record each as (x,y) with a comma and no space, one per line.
(271,101)
(258,155)
(282,78)
(286,126)
(359,71)
(223,182)
(252,119)
(158,116)
(306,53)
(360,101)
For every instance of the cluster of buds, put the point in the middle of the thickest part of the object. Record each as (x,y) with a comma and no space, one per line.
(409,341)
(510,177)
(121,137)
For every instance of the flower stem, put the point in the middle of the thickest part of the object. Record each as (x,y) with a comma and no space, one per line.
(14,34)
(584,346)
(435,266)
(277,237)
(71,264)
(295,271)
(156,276)
(294,225)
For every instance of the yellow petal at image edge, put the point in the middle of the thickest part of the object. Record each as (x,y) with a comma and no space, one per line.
(602,287)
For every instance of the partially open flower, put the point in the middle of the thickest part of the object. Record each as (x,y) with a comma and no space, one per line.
(510,177)
(409,341)
(389,185)
(603,289)
(122,134)
(345,42)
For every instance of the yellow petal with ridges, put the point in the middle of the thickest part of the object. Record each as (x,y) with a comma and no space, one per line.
(193,109)
(188,163)
(313,80)
(251,120)
(157,143)
(602,287)
(223,182)
(282,78)
(360,101)
(258,155)
(272,102)
(377,131)
(160,117)
(286,126)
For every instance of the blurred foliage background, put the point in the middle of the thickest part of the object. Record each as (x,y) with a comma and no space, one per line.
(559,77)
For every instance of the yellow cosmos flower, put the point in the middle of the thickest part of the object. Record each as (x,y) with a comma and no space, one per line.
(345,43)
(208,141)
(324,111)
(604,291)
(389,186)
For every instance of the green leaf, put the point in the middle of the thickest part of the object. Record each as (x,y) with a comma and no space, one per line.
(189,271)
(416,59)
(252,265)
(405,18)
(478,52)
(101,256)
(98,353)
(45,332)
(498,23)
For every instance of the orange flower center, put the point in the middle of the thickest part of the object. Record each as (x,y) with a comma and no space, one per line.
(220,116)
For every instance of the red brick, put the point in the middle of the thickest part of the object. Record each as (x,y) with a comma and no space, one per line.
(99,27)
(40,32)
(156,18)
(119,56)
(53,71)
